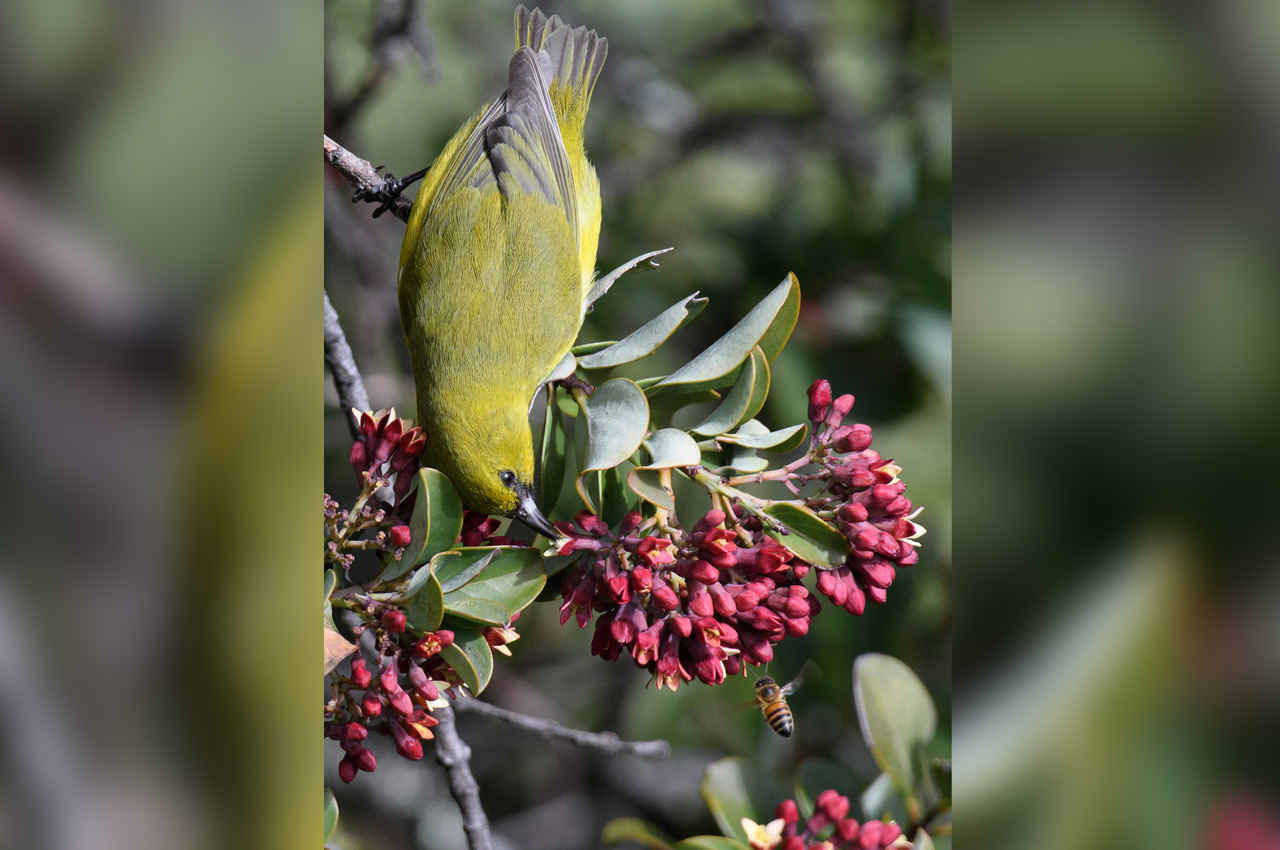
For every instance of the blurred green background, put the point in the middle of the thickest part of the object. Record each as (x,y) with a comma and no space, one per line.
(757,139)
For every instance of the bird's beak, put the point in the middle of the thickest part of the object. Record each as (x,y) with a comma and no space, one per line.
(530,515)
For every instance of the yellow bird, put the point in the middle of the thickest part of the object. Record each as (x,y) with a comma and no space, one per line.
(496,265)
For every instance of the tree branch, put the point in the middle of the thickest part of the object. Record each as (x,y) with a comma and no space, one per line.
(552,731)
(346,377)
(362,176)
(453,755)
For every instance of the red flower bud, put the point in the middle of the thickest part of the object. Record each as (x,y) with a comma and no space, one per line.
(363,758)
(360,675)
(851,438)
(833,805)
(354,732)
(795,842)
(406,745)
(665,597)
(847,830)
(359,457)
(393,621)
(819,400)
(400,536)
(839,410)
(371,705)
(788,811)
(347,769)
(401,702)
(870,834)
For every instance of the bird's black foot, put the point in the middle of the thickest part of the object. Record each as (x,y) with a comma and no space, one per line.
(574,382)
(386,194)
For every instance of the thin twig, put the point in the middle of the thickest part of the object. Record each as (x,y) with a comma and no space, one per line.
(453,755)
(553,731)
(346,377)
(361,174)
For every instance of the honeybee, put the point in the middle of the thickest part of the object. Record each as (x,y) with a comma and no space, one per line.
(772,699)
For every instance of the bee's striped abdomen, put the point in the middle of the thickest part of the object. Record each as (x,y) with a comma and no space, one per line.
(778,716)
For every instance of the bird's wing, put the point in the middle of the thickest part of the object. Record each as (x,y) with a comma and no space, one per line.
(469,164)
(524,141)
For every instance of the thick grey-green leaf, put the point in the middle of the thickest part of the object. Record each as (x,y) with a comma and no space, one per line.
(435,524)
(897,717)
(458,566)
(330,582)
(471,656)
(641,832)
(330,813)
(486,612)
(591,347)
(601,286)
(717,366)
(668,448)
(512,578)
(742,459)
(734,788)
(743,401)
(810,538)
(648,338)
(783,440)
(616,417)
(775,338)
(566,367)
(423,601)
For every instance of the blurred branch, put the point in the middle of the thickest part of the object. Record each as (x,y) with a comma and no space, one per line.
(453,754)
(346,377)
(398,22)
(553,731)
(362,176)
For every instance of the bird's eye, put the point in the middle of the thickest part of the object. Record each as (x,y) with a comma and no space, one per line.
(508,477)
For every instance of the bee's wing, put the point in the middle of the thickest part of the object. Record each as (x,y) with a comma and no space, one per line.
(809,672)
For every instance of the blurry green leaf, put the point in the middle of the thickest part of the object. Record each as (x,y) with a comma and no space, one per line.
(816,775)
(897,717)
(458,566)
(734,788)
(424,607)
(882,798)
(922,842)
(753,435)
(330,813)
(616,417)
(435,524)
(511,579)
(471,656)
(619,830)
(336,648)
(552,459)
(648,338)
(940,770)
(616,498)
(717,366)
(743,401)
(668,448)
(477,609)
(811,538)
(601,286)
(710,842)
(330,582)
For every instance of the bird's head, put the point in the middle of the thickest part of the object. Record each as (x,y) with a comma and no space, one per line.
(492,468)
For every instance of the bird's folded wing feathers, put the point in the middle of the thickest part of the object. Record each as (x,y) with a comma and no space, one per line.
(470,165)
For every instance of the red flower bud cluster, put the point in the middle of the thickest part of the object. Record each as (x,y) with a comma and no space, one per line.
(869,504)
(388,447)
(481,530)
(831,828)
(701,605)
(395,701)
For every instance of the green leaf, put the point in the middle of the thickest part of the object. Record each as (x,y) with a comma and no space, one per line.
(710,842)
(601,286)
(922,842)
(775,338)
(619,830)
(330,582)
(330,813)
(753,435)
(743,401)
(881,798)
(566,367)
(616,497)
(551,459)
(435,524)
(591,347)
(424,605)
(475,609)
(458,566)
(897,718)
(734,788)
(940,770)
(668,448)
(742,459)
(616,417)
(648,338)
(810,538)
(511,579)
(717,366)
(470,655)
